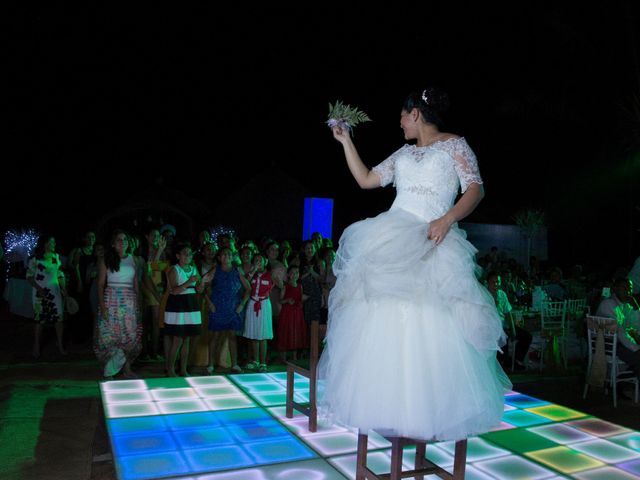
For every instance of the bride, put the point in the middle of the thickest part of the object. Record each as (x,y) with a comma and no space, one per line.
(412,335)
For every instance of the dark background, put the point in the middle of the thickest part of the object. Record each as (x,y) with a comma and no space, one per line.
(103,101)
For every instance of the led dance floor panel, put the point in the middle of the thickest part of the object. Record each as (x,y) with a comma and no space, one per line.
(234,428)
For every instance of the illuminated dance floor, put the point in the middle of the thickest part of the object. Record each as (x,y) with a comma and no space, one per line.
(234,427)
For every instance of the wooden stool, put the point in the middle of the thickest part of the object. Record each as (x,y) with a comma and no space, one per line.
(422,465)
(318,333)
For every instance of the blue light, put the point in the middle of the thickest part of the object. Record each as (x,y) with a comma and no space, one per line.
(318,217)
(218,458)
(165,464)
(147,443)
(123,426)
(524,401)
(186,421)
(203,437)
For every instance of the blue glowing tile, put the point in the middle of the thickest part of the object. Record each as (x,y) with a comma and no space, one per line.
(143,444)
(243,415)
(632,467)
(146,466)
(218,458)
(256,431)
(244,378)
(133,425)
(280,450)
(187,421)
(524,401)
(281,377)
(520,418)
(203,437)
(628,440)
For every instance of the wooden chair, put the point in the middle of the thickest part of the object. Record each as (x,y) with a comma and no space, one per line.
(422,465)
(616,370)
(317,335)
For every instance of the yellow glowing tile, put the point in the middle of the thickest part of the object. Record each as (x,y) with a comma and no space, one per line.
(564,459)
(557,413)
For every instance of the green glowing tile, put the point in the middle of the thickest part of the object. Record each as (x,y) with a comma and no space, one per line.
(564,459)
(244,378)
(605,450)
(167,382)
(270,399)
(129,396)
(513,467)
(521,418)
(226,403)
(628,440)
(433,454)
(379,462)
(182,406)
(264,388)
(518,440)
(333,444)
(557,413)
(117,410)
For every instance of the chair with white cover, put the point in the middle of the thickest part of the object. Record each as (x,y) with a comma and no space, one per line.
(553,326)
(604,368)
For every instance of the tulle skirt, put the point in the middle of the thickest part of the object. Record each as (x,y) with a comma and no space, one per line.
(412,335)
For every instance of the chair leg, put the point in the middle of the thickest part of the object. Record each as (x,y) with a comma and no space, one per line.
(396,459)
(289,398)
(460,460)
(361,458)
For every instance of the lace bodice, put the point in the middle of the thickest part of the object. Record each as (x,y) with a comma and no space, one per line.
(427,179)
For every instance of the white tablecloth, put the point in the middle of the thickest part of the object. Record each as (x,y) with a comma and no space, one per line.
(18,294)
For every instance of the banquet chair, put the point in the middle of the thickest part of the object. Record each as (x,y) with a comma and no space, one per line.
(553,329)
(512,343)
(616,370)
(318,332)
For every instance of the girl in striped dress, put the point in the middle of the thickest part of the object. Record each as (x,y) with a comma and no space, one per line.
(182,317)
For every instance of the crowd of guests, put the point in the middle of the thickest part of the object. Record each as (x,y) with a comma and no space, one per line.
(227,304)
(204,301)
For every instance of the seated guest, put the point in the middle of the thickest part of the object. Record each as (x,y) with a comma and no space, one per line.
(511,329)
(555,289)
(622,306)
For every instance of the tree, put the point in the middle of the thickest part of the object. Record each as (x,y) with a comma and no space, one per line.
(530,222)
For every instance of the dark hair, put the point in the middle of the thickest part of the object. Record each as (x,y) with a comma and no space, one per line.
(111,257)
(432,103)
(41,245)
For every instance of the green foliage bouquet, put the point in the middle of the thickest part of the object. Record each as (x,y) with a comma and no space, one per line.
(345,116)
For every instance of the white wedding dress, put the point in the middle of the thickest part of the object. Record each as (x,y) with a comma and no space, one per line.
(412,334)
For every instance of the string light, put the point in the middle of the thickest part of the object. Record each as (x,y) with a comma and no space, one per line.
(221,230)
(19,243)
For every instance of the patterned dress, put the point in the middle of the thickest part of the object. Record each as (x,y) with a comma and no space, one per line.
(258,324)
(226,295)
(182,315)
(119,333)
(46,272)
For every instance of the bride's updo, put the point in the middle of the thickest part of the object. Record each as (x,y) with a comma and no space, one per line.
(432,102)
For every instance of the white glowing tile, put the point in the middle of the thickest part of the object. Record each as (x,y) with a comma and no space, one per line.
(605,473)
(512,467)
(502,426)
(218,391)
(280,412)
(629,440)
(597,427)
(316,469)
(120,385)
(434,454)
(605,450)
(226,403)
(117,410)
(508,407)
(182,406)
(561,433)
(375,440)
(334,443)
(128,396)
(208,381)
(477,449)
(379,462)
(167,394)
(300,427)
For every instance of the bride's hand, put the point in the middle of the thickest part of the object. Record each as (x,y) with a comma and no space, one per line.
(438,229)
(340,134)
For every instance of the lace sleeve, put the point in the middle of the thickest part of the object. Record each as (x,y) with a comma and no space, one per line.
(466,164)
(386,170)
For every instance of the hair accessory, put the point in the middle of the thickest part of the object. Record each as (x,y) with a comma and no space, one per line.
(425,99)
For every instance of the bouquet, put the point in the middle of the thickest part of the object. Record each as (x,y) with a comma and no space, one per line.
(345,116)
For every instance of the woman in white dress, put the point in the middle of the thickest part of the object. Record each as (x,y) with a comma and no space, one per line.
(412,336)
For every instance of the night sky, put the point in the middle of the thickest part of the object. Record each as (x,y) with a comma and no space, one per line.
(107,94)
